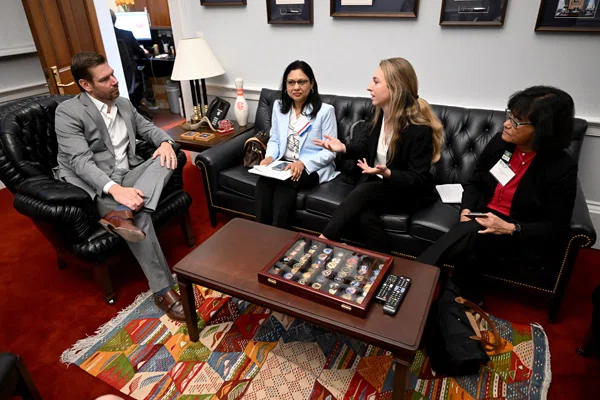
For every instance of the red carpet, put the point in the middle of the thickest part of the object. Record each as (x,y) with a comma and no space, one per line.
(44,310)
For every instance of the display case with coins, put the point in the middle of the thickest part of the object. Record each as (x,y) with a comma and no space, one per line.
(340,276)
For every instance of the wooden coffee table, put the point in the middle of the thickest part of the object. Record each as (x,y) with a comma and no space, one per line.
(198,146)
(229,262)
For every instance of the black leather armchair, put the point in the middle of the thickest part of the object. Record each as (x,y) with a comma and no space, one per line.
(230,188)
(64,213)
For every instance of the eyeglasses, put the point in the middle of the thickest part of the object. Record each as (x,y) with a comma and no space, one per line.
(300,82)
(515,124)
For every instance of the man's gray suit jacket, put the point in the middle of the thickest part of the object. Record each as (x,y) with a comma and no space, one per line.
(86,157)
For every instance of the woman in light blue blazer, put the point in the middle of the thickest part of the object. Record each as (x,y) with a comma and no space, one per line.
(299,117)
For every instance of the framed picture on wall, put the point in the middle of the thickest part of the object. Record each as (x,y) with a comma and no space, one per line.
(290,12)
(569,15)
(223,2)
(374,8)
(473,13)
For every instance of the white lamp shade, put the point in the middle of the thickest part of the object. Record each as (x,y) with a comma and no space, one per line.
(195,60)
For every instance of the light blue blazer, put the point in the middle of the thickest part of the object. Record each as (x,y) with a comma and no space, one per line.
(315,158)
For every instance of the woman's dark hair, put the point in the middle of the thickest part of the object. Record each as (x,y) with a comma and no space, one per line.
(313,95)
(551,111)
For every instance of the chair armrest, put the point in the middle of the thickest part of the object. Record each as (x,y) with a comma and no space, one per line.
(67,207)
(224,155)
(581,222)
(53,191)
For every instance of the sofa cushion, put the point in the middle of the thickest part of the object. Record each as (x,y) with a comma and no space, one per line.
(432,222)
(325,198)
(238,180)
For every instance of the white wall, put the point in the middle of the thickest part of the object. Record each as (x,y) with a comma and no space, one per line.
(21,72)
(471,67)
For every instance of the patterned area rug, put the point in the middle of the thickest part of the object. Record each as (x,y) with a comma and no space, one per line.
(250,352)
(519,369)
(245,351)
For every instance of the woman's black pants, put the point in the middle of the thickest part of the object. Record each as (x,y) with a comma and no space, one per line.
(470,252)
(275,200)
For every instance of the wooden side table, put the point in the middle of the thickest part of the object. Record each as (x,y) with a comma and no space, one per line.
(198,146)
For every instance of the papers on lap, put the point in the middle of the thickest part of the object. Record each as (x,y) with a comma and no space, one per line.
(451,193)
(274,170)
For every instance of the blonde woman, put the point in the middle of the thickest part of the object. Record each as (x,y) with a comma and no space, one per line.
(395,157)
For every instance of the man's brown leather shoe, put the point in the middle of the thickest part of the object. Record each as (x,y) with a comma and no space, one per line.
(170,303)
(121,223)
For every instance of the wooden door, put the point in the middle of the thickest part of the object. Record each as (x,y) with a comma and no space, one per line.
(158,10)
(60,29)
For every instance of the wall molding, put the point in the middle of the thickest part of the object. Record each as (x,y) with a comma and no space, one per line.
(21,91)
(13,51)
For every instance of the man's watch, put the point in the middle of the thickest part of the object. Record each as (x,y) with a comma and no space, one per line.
(171,142)
(517,230)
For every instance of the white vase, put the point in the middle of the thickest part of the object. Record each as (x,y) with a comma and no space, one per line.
(241,105)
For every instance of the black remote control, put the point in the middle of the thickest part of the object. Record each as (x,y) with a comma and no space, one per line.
(386,289)
(395,298)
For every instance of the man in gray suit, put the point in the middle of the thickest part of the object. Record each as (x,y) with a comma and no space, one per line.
(96,134)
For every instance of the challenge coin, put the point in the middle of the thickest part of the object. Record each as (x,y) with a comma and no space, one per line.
(336,260)
(288,275)
(331,265)
(359,278)
(346,269)
(350,290)
(338,279)
(327,250)
(355,284)
(276,270)
(332,291)
(340,255)
(316,286)
(321,279)
(335,286)
(322,257)
(314,246)
(347,296)
(302,281)
(342,274)
(306,275)
(352,261)
(360,299)
(326,272)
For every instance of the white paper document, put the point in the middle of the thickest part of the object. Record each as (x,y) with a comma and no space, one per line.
(281,2)
(451,193)
(274,170)
(357,2)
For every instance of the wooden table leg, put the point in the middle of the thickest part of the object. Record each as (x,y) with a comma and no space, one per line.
(189,307)
(400,377)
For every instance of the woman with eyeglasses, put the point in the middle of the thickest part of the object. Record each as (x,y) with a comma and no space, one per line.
(523,191)
(298,118)
(395,155)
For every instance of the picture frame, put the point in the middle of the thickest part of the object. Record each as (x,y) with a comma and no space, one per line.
(210,3)
(290,12)
(569,16)
(473,12)
(374,8)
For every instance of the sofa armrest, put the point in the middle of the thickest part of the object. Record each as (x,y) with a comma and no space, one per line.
(225,155)
(581,222)
(68,208)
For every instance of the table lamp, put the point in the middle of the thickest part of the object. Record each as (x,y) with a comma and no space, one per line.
(195,60)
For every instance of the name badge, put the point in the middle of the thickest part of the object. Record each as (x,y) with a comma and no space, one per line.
(303,125)
(502,172)
(506,156)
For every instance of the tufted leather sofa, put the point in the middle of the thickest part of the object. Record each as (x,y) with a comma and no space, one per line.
(230,188)
(64,213)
